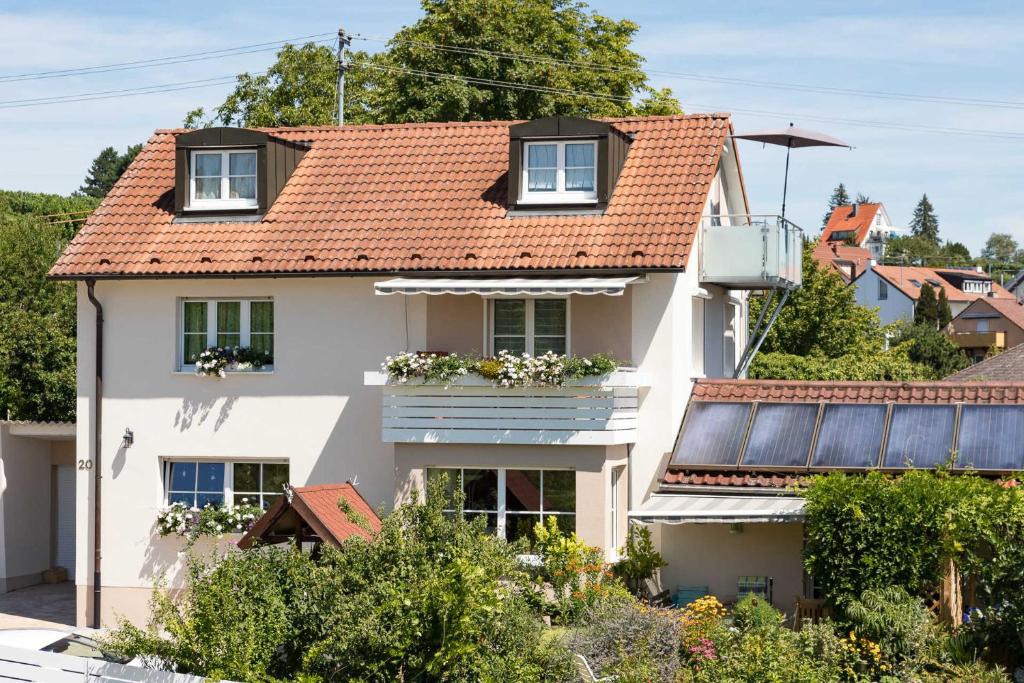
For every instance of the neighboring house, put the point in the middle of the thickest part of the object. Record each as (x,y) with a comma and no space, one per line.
(726,514)
(561,234)
(988,324)
(848,261)
(1016,286)
(37,501)
(1007,366)
(861,225)
(894,290)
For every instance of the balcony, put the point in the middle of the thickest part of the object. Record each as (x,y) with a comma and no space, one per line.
(979,340)
(750,252)
(588,411)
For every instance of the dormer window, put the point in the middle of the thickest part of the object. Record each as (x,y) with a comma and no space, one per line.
(223,179)
(560,171)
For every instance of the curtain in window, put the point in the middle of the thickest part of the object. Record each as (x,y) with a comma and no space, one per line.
(194,326)
(261,325)
(229,323)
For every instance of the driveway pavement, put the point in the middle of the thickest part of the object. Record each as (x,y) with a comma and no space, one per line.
(43,606)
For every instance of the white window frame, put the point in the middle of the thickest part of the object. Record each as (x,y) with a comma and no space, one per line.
(530,337)
(501,512)
(698,335)
(225,201)
(229,473)
(560,194)
(245,326)
(613,509)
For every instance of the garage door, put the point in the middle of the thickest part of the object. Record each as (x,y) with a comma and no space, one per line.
(65,555)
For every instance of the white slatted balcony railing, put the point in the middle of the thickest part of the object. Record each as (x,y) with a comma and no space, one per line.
(587,411)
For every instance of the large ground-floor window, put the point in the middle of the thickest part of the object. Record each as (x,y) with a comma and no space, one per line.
(198,483)
(515,500)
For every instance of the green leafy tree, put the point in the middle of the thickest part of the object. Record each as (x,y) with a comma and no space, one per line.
(955,254)
(839,198)
(925,223)
(932,349)
(862,198)
(413,79)
(106,168)
(822,333)
(926,310)
(1001,247)
(37,323)
(912,250)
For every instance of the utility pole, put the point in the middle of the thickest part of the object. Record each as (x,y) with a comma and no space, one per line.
(344,40)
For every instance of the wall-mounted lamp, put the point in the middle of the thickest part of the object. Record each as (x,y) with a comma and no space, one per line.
(128,439)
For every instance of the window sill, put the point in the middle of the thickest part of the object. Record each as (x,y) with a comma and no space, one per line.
(230,373)
(555,200)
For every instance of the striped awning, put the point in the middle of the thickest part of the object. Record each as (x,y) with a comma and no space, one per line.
(517,286)
(684,508)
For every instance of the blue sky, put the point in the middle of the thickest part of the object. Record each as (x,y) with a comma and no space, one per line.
(938,48)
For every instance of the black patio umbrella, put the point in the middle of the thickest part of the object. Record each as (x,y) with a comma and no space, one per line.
(789,138)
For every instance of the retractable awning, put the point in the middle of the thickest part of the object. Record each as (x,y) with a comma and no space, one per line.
(516,286)
(682,508)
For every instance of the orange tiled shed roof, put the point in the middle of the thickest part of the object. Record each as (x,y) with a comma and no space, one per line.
(792,391)
(410,197)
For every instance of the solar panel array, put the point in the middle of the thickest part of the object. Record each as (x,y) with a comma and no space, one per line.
(851,436)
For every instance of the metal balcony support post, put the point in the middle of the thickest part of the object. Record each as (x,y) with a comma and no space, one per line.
(758,334)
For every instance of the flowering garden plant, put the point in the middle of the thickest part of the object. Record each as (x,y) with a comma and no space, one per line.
(507,369)
(216,361)
(211,520)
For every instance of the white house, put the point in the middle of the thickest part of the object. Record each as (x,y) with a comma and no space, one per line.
(864,225)
(894,290)
(327,249)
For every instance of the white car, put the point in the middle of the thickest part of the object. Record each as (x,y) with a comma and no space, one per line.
(60,642)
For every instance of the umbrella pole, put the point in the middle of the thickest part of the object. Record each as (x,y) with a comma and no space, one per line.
(785,181)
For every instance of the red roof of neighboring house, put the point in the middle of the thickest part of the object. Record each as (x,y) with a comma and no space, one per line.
(902,278)
(843,258)
(409,197)
(320,508)
(773,390)
(843,220)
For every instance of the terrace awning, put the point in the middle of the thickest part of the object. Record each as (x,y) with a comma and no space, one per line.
(516,286)
(684,508)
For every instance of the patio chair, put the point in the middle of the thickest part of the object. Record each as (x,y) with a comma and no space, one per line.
(588,674)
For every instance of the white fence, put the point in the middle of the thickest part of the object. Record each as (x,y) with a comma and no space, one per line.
(17,664)
(589,411)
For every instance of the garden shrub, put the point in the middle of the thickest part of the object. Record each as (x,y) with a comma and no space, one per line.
(753,612)
(899,623)
(629,640)
(641,562)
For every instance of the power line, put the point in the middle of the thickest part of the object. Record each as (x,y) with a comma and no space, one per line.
(57,99)
(159,61)
(800,87)
(1004,135)
(130,92)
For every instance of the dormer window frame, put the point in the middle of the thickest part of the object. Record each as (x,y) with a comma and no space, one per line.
(224,202)
(559,195)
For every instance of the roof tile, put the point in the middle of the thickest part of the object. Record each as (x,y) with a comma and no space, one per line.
(770,390)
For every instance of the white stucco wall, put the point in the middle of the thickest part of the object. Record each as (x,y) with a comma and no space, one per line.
(896,307)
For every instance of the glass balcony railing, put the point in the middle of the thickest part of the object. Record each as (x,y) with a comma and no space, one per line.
(744,251)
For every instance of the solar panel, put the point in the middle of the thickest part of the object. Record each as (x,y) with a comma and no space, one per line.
(712,434)
(850,436)
(920,436)
(991,437)
(781,435)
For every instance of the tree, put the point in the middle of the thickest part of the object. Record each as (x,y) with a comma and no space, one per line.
(926,311)
(945,313)
(925,223)
(839,198)
(106,168)
(912,250)
(425,73)
(955,254)
(862,198)
(1001,247)
(823,333)
(932,349)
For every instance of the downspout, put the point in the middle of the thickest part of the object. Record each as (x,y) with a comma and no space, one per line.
(97,445)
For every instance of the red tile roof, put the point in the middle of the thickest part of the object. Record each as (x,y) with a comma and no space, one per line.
(793,391)
(412,197)
(901,276)
(319,507)
(841,257)
(735,479)
(843,220)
